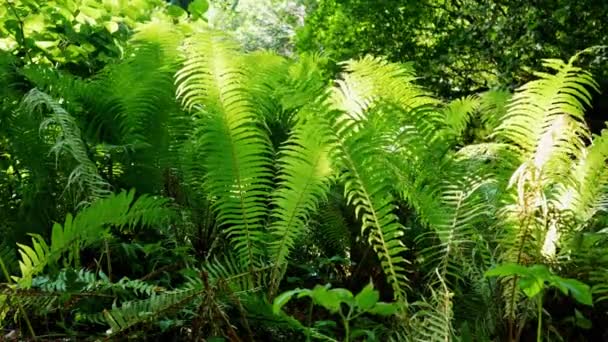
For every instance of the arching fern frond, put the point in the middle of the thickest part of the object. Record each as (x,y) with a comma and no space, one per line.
(69,140)
(305,170)
(88,226)
(369,95)
(368,188)
(133,313)
(236,148)
(371,80)
(463,208)
(545,118)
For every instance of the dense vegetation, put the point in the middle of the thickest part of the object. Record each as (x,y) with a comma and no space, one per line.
(159,181)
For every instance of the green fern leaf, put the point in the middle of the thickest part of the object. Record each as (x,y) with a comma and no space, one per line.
(305,170)
(237,151)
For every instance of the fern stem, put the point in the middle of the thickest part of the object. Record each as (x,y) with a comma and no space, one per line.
(525,222)
(108,260)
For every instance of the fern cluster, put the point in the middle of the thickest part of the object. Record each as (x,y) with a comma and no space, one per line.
(236,160)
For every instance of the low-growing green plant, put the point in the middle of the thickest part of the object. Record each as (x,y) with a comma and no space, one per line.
(535,279)
(342,302)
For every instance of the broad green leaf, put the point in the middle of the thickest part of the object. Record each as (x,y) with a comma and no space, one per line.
(367,298)
(507,270)
(343,295)
(283,298)
(197,8)
(330,299)
(531,286)
(540,271)
(578,290)
(384,309)
(175,11)
(321,297)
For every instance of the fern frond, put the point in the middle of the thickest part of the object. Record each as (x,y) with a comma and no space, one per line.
(458,114)
(88,226)
(371,80)
(370,193)
(236,149)
(589,193)
(69,140)
(331,231)
(231,273)
(493,107)
(305,171)
(370,92)
(463,209)
(545,121)
(433,320)
(33,260)
(545,118)
(133,313)
(600,290)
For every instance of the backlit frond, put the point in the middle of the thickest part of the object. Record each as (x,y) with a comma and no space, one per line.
(235,147)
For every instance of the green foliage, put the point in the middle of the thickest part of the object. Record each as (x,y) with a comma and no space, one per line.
(88,226)
(236,148)
(79,34)
(532,281)
(257,173)
(333,300)
(459,47)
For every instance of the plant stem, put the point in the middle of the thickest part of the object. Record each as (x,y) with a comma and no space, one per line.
(345,322)
(109,262)
(309,321)
(540,317)
(346,330)
(20,36)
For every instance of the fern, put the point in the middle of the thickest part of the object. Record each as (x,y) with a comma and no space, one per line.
(544,122)
(459,114)
(492,109)
(88,226)
(463,209)
(371,91)
(237,151)
(69,140)
(231,273)
(331,230)
(433,320)
(305,167)
(545,118)
(588,194)
(133,313)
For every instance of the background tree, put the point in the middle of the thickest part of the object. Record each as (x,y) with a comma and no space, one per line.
(458,47)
